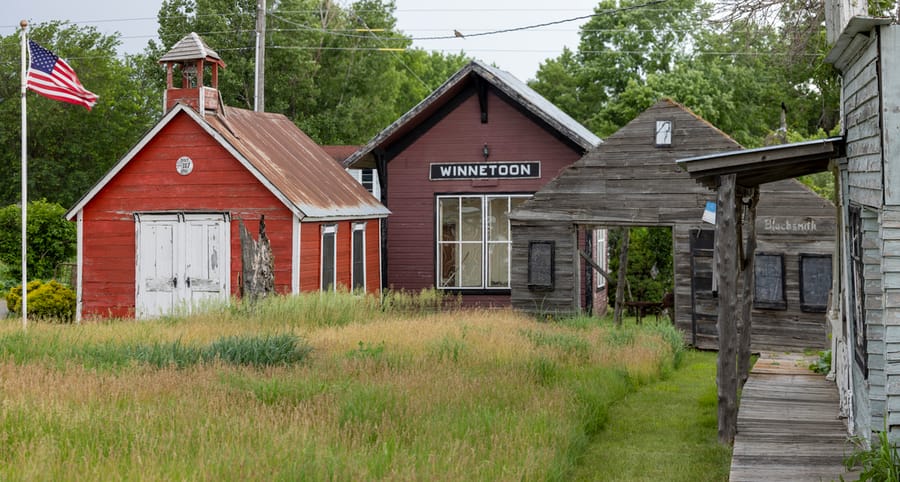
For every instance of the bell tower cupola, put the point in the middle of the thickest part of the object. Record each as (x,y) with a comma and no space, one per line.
(194,62)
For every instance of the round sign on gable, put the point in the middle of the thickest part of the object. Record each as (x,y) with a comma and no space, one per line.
(184,165)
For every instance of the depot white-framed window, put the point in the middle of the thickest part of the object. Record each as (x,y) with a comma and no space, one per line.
(473,240)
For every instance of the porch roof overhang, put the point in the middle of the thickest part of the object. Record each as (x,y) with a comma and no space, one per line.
(765,164)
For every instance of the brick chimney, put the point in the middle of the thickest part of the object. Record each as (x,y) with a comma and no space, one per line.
(192,60)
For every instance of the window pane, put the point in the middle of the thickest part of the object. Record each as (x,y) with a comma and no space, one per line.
(359,270)
(471,264)
(328,261)
(498,265)
(471,219)
(449,276)
(498,220)
(449,212)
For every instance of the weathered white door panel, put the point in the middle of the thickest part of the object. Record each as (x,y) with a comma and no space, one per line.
(157,277)
(182,262)
(205,255)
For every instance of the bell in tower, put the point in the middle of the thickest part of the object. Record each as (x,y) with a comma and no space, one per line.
(193,61)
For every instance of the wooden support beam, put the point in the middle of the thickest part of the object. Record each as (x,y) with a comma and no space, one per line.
(749,202)
(727,268)
(593,264)
(620,285)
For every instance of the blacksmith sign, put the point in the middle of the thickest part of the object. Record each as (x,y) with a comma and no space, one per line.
(485,170)
(790,225)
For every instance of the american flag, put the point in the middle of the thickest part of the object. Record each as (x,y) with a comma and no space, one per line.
(52,77)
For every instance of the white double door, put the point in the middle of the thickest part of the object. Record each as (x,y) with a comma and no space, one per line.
(182,261)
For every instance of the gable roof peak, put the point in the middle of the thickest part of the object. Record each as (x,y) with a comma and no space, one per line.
(190,47)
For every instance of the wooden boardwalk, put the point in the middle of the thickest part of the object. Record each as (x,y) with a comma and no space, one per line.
(788,425)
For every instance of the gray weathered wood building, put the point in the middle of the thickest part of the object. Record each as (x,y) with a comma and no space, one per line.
(866,356)
(632,180)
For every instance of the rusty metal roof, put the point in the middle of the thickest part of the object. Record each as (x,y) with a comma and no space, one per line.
(340,153)
(516,90)
(190,47)
(295,165)
(291,165)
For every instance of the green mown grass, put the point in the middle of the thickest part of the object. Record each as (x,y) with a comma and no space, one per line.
(664,431)
(322,387)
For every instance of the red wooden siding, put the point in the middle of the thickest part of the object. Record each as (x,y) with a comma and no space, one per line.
(459,137)
(219,183)
(311,255)
(373,255)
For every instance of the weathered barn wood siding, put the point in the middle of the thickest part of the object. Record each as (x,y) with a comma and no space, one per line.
(629,181)
(560,300)
(792,329)
(151,183)
(459,137)
(890,223)
(863,127)
(876,329)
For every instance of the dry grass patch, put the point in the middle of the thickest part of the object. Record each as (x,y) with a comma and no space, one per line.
(445,396)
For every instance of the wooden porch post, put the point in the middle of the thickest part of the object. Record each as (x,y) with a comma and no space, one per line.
(747,279)
(727,268)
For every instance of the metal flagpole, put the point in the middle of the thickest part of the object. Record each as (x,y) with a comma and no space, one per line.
(24,24)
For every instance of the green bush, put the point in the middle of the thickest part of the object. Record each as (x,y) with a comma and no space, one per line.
(50,301)
(51,239)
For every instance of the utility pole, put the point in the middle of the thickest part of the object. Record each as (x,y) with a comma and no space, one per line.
(259,94)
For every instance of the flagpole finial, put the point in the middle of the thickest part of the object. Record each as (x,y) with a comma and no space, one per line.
(23,23)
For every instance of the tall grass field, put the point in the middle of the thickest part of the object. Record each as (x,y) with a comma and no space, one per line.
(317,387)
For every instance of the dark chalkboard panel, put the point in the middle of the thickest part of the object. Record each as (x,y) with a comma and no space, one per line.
(540,265)
(769,282)
(815,282)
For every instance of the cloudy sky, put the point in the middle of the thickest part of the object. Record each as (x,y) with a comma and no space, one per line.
(518,52)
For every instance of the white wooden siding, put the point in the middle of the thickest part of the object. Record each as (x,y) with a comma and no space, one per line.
(862,127)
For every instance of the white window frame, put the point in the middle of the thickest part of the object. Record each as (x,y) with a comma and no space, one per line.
(361,229)
(328,229)
(485,242)
(601,255)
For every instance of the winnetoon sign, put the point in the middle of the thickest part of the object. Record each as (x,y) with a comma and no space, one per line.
(485,170)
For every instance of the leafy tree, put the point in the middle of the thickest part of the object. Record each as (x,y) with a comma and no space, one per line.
(650,273)
(736,74)
(70,148)
(51,239)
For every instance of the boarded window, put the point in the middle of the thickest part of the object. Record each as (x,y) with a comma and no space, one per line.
(359,256)
(815,282)
(540,265)
(857,301)
(769,282)
(328,257)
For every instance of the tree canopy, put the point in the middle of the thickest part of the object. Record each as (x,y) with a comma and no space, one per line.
(70,148)
(737,74)
(325,69)
(341,73)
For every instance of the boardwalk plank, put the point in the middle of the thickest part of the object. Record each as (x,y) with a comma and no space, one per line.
(788,425)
